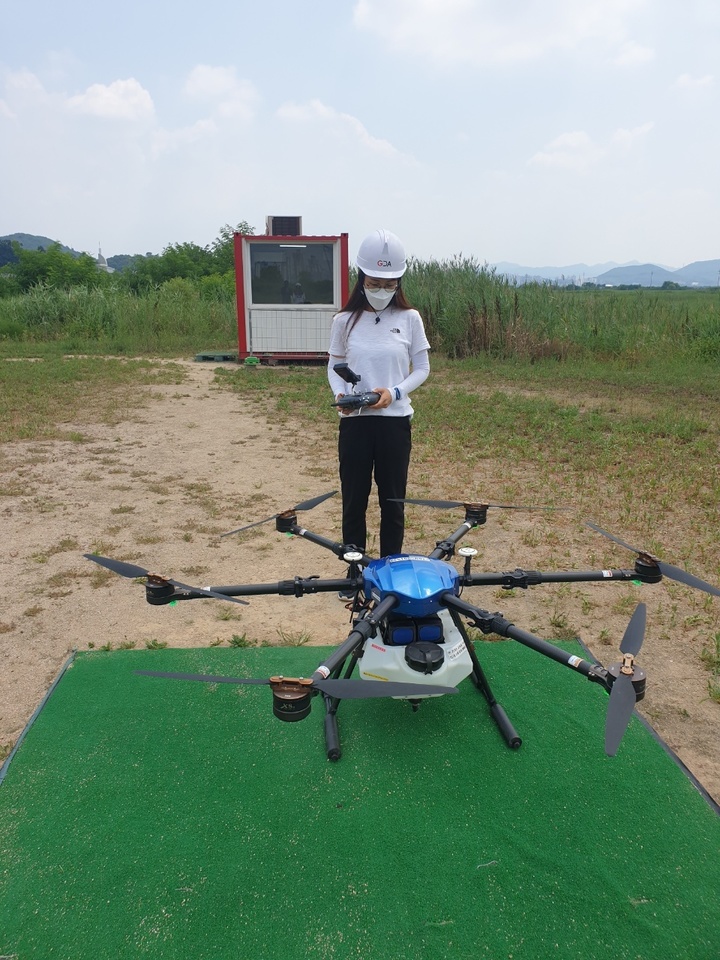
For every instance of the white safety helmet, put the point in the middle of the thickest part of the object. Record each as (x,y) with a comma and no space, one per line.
(381,255)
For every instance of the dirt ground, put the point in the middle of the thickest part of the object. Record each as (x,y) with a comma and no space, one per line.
(160,487)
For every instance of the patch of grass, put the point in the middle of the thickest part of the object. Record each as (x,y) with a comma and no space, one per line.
(294,638)
(155,644)
(561,627)
(65,545)
(101,578)
(36,399)
(240,640)
(203,495)
(65,577)
(225,614)
(162,489)
(13,488)
(147,539)
(104,548)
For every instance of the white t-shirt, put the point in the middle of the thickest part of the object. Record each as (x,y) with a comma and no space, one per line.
(379,352)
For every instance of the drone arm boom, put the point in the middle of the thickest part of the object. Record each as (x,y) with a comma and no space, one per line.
(496,623)
(522,579)
(298,587)
(363,629)
(339,549)
(446,548)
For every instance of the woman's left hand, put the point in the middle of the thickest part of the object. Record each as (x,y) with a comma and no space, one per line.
(385,398)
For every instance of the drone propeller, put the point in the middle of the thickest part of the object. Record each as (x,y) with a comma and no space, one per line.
(622,696)
(667,569)
(342,689)
(133,572)
(305,505)
(446,504)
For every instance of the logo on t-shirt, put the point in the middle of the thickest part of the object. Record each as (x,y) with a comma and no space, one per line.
(394,330)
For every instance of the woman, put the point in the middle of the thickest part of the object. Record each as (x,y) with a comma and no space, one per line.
(381,338)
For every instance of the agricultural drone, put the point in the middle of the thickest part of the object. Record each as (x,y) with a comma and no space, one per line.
(409,638)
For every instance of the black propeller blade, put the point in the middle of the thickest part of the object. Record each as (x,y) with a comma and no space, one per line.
(446,504)
(342,689)
(667,569)
(622,696)
(132,572)
(305,505)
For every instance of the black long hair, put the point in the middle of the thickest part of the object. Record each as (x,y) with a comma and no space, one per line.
(357,302)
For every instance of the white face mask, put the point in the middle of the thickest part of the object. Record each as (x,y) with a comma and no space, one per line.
(379,299)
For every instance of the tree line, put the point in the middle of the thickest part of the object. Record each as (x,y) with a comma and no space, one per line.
(212,266)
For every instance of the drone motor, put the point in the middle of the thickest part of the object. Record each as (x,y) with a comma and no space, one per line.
(158,591)
(636,674)
(292,698)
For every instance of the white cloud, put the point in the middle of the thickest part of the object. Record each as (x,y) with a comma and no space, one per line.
(220,87)
(687,81)
(570,151)
(626,138)
(314,111)
(165,141)
(23,90)
(632,54)
(485,32)
(577,151)
(119,100)
(5,111)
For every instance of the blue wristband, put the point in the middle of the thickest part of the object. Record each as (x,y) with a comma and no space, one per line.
(397,393)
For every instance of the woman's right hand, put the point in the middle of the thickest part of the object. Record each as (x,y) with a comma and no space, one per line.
(344,411)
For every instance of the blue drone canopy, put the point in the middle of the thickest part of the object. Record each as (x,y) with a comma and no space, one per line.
(417,582)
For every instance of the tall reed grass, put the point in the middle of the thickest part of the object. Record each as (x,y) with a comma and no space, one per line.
(172,319)
(469,310)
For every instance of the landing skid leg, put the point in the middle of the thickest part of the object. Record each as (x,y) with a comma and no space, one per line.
(508,731)
(332,734)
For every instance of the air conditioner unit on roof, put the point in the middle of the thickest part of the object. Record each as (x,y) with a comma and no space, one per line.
(283,226)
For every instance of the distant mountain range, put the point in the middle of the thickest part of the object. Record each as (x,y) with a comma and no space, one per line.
(30,242)
(701,273)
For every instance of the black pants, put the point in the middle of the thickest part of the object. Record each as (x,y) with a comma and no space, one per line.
(379,446)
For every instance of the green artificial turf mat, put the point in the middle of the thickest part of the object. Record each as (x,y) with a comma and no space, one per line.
(167,819)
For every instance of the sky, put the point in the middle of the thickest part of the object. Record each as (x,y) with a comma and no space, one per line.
(540,133)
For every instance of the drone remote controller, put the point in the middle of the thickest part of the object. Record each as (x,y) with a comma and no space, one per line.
(353,401)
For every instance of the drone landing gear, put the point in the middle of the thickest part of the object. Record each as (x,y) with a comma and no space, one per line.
(497,712)
(332,734)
